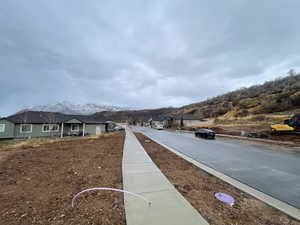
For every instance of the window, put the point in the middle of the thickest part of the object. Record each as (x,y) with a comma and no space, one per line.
(74,127)
(2,127)
(46,128)
(55,127)
(26,128)
(50,127)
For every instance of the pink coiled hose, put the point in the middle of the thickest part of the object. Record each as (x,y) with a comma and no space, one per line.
(109,189)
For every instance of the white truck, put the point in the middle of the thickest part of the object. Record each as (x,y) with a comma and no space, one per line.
(158,127)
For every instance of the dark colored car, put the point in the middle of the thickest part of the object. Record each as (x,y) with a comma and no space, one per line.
(205,133)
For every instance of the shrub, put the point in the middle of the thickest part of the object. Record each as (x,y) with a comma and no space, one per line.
(259,118)
(295,98)
(242,113)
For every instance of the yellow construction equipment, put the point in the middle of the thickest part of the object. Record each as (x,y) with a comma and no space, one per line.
(291,126)
(282,128)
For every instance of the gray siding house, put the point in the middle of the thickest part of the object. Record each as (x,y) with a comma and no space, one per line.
(184,120)
(187,120)
(31,124)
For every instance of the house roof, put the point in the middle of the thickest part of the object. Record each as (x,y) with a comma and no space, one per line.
(52,117)
(177,117)
(187,117)
(158,118)
(91,118)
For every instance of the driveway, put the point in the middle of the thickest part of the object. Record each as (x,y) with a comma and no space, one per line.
(271,169)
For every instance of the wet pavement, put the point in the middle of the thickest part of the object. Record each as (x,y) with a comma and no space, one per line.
(274,170)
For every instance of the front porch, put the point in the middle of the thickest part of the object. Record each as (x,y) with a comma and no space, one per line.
(75,127)
(72,127)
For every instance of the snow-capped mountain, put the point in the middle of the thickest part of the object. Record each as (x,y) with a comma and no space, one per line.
(69,108)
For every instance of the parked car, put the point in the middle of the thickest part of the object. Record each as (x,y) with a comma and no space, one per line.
(158,127)
(205,133)
(118,128)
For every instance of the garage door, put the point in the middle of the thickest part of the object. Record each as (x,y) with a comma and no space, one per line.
(98,130)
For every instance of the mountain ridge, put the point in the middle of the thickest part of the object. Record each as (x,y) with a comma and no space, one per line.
(278,95)
(70,108)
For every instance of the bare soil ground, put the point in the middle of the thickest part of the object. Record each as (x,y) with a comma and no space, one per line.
(38,183)
(198,187)
(262,131)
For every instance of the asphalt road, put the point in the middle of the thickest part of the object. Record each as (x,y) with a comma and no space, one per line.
(271,169)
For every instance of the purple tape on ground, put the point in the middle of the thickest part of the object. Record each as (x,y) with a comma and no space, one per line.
(109,189)
(225,198)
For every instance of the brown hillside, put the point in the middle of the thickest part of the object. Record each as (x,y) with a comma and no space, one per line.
(279,95)
(273,96)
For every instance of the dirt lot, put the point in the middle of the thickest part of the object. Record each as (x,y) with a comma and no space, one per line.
(37,184)
(262,131)
(198,187)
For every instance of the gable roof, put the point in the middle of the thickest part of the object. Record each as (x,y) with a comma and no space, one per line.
(157,118)
(187,117)
(91,118)
(52,117)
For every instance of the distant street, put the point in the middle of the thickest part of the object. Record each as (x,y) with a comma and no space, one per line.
(270,169)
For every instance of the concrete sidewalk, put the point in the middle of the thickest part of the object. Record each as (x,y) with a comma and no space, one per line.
(142,176)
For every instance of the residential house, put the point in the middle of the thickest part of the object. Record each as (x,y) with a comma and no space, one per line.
(186,120)
(31,124)
(157,121)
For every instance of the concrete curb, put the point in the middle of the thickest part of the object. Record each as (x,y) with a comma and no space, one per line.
(257,139)
(282,206)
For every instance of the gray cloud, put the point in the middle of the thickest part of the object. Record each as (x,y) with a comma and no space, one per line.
(141,54)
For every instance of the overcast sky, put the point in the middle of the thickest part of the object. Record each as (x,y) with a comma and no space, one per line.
(141,54)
